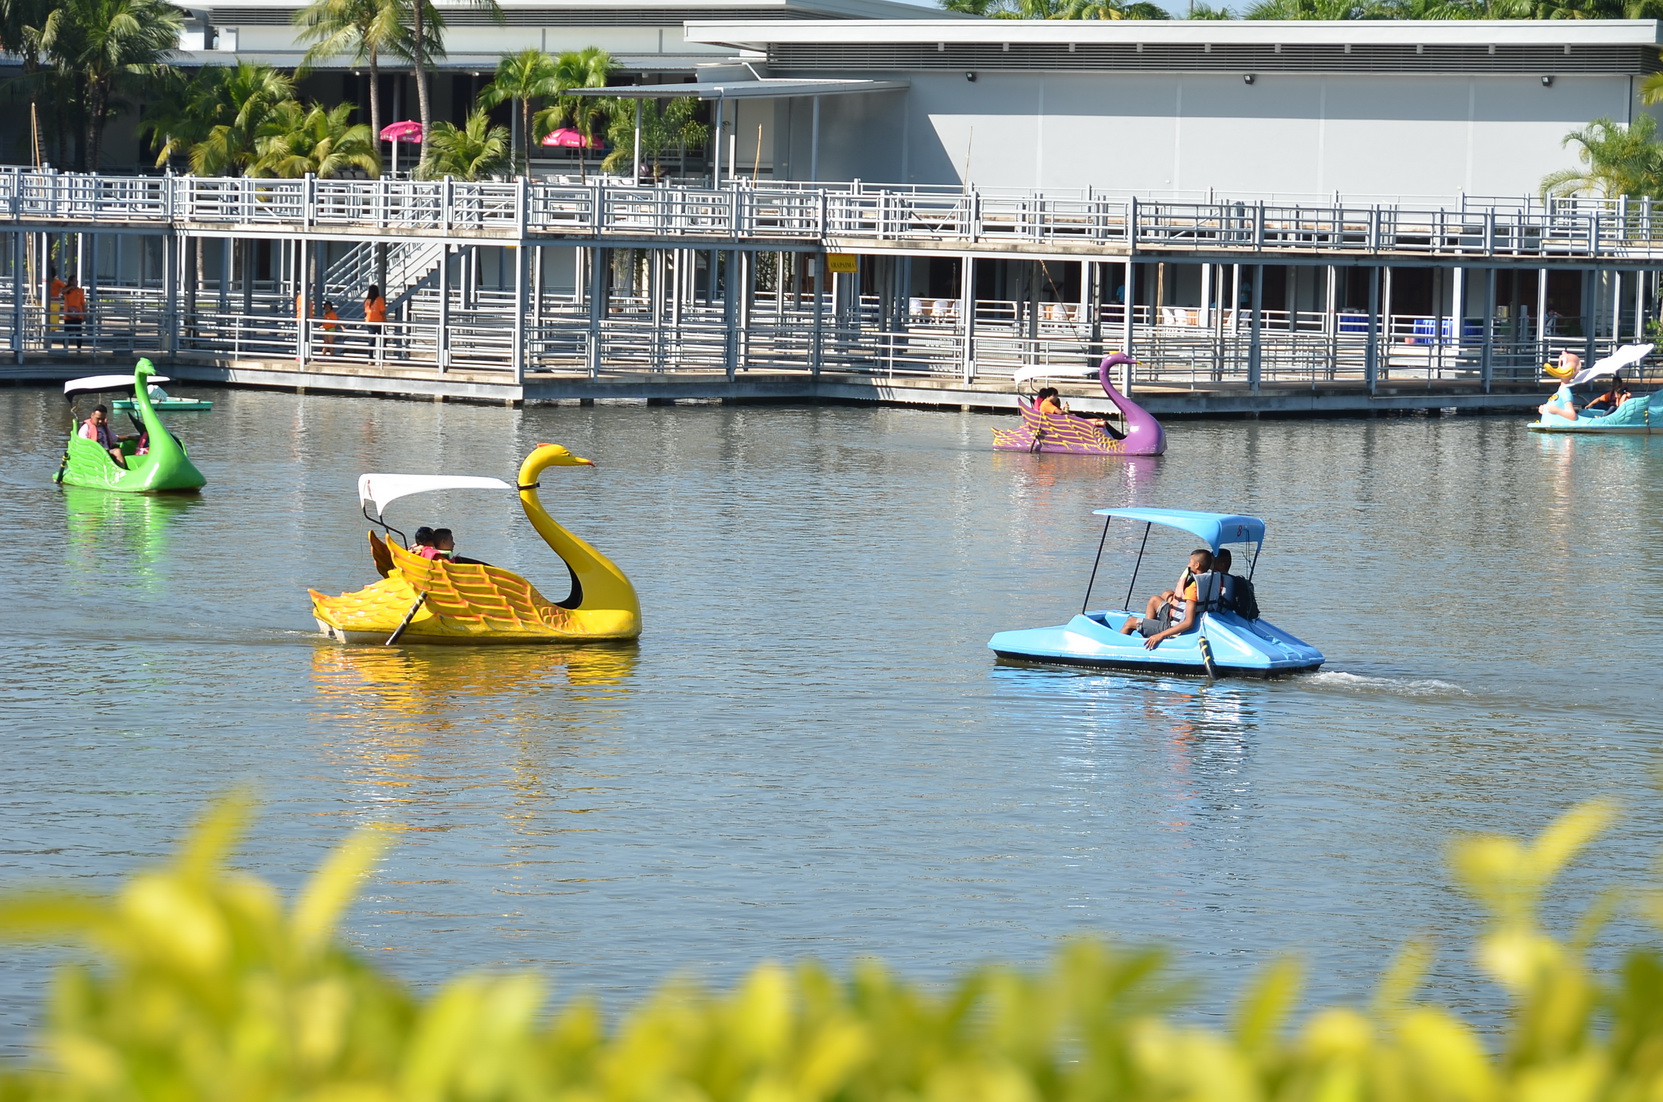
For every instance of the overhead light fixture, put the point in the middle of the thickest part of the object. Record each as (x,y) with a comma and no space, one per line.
(1547,82)
(1248,78)
(971,77)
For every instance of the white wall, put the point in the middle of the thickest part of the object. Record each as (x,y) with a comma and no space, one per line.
(1364,135)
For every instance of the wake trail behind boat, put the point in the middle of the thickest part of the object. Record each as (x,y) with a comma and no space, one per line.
(1375,683)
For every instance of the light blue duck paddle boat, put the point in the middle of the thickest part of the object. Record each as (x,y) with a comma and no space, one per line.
(1639,415)
(1223,642)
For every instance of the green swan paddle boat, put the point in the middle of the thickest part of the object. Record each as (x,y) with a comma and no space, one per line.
(155,460)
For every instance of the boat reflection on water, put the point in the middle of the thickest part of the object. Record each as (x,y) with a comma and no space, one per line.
(423,726)
(1041,470)
(117,540)
(1187,751)
(427,682)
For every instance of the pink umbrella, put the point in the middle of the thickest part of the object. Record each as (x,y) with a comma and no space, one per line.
(395,132)
(568,138)
(410,131)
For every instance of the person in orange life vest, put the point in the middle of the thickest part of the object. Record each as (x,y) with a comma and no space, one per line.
(54,285)
(97,429)
(1048,402)
(1197,587)
(1611,399)
(75,311)
(375,317)
(331,322)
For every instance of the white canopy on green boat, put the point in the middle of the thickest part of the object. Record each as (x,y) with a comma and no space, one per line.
(381,490)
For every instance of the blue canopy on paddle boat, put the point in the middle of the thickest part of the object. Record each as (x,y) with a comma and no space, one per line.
(1216,528)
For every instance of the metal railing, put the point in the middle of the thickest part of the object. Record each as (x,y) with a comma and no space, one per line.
(792,216)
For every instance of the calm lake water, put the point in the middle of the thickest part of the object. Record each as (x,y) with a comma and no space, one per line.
(811,753)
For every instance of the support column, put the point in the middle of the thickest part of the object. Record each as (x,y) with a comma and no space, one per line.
(1639,306)
(441,342)
(814,142)
(718,139)
(1330,319)
(1616,305)
(303,299)
(1371,352)
(967,317)
(519,349)
(1128,308)
(19,290)
(817,350)
(1386,323)
(1542,314)
(224,302)
(730,315)
(1486,361)
(170,274)
(598,258)
(637,178)
(1254,367)
(1590,313)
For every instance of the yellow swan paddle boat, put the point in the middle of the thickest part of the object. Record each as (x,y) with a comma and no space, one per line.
(422,600)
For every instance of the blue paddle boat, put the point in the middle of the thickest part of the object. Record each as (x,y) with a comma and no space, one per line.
(1223,642)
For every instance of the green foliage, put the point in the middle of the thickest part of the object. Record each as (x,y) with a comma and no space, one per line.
(297,140)
(469,152)
(367,30)
(590,67)
(524,78)
(1616,160)
(667,125)
(198,983)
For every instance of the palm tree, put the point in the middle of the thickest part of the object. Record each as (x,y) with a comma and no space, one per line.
(590,67)
(366,29)
(1110,9)
(665,125)
(296,140)
(1616,159)
(244,100)
(523,77)
(116,41)
(181,109)
(427,42)
(1204,10)
(467,152)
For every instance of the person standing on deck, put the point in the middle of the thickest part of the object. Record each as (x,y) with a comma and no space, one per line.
(375,318)
(75,312)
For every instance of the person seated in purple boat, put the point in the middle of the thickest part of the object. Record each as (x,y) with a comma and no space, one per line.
(1175,611)
(1049,403)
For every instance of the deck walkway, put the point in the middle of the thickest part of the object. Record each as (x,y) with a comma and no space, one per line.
(1343,396)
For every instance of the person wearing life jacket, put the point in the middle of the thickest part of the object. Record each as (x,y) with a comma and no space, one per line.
(75,311)
(1047,401)
(375,317)
(1176,611)
(97,429)
(1611,399)
(331,322)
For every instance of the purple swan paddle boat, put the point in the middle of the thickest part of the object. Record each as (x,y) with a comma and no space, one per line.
(1073,434)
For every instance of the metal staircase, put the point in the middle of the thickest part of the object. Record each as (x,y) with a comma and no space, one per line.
(412,266)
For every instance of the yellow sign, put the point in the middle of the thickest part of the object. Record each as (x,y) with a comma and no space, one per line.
(847,263)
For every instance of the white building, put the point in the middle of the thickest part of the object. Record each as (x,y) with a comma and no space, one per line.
(1369,109)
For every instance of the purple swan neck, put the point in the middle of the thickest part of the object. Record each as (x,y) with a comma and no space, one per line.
(1144,435)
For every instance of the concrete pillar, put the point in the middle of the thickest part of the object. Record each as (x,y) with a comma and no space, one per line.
(1255,325)
(1486,362)
(519,349)
(1330,319)
(303,294)
(1127,325)
(730,314)
(814,141)
(1541,313)
(598,258)
(441,343)
(1639,306)
(224,303)
(817,347)
(1590,313)
(1371,354)
(1385,365)
(170,274)
(967,316)
(19,290)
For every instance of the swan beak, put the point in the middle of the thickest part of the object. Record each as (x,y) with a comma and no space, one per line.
(583,462)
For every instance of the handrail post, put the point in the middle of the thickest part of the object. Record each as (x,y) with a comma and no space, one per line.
(308,201)
(1132,227)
